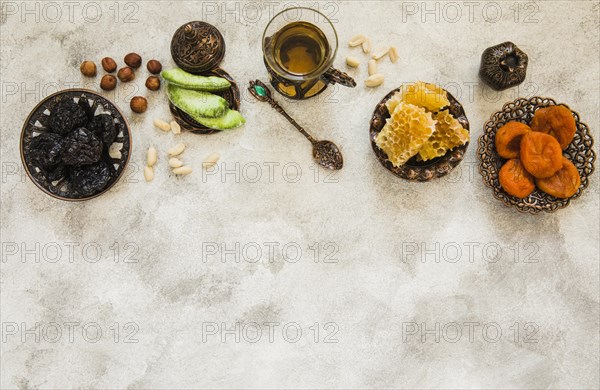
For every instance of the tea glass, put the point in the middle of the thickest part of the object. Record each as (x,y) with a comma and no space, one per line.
(312,83)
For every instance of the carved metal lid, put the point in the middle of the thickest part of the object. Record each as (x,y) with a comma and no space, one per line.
(503,66)
(197,47)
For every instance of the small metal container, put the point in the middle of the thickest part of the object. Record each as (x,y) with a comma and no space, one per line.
(198,48)
(503,66)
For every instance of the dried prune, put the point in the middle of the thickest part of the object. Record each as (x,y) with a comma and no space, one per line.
(90,179)
(57,173)
(45,150)
(81,147)
(558,121)
(89,110)
(508,139)
(516,180)
(541,154)
(104,127)
(66,116)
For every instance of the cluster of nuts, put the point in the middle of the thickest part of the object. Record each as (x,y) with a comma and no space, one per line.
(126,74)
(165,126)
(375,78)
(151,158)
(175,163)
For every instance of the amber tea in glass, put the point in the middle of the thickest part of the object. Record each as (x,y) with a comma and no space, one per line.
(299,46)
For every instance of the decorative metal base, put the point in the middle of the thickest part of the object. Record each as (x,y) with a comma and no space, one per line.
(298,90)
(310,88)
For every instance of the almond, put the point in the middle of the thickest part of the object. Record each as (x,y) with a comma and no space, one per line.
(393,54)
(379,54)
(211,160)
(357,40)
(151,156)
(372,67)
(374,80)
(366,46)
(353,62)
(160,124)
(174,162)
(185,170)
(176,150)
(148,173)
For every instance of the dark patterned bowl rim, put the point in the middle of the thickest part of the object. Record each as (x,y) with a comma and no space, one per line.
(580,152)
(75,91)
(413,170)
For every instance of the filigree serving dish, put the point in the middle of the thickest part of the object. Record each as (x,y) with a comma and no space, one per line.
(580,152)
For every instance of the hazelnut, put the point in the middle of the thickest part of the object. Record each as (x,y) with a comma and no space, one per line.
(154,66)
(133,60)
(138,104)
(108,82)
(88,68)
(125,74)
(109,64)
(153,83)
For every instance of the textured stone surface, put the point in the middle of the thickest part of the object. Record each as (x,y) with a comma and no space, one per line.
(392,246)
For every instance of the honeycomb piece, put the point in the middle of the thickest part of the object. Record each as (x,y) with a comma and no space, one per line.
(405,132)
(393,102)
(448,134)
(421,94)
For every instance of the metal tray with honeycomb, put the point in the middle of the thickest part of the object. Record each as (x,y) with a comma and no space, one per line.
(415,170)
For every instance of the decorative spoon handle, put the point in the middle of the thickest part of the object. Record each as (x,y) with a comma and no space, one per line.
(261,92)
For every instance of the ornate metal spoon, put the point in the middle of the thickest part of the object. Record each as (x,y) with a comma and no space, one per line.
(325,153)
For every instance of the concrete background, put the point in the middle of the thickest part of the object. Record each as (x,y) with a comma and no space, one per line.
(273,273)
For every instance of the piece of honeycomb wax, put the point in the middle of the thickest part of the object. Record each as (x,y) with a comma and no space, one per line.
(405,132)
(448,134)
(421,94)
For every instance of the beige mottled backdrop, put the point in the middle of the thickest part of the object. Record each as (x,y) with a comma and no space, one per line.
(271,272)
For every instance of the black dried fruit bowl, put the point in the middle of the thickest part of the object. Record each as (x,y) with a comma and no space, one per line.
(45,164)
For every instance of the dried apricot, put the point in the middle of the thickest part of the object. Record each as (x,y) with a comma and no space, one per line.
(564,183)
(515,179)
(541,154)
(508,139)
(557,121)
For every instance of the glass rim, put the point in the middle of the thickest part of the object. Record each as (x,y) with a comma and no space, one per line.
(321,69)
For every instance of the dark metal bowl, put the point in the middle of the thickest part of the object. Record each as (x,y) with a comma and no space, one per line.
(415,170)
(580,153)
(232,95)
(36,122)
